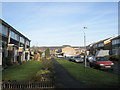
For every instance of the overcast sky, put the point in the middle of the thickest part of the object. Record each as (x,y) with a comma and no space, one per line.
(61,23)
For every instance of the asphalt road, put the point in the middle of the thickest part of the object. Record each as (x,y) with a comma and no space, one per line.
(116,67)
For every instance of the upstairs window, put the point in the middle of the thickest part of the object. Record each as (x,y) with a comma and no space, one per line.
(17,37)
(0,28)
(4,30)
(27,42)
(100,45)
(12,35)
(22,40)
(116,41)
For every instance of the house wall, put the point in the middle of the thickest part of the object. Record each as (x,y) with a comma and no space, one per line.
(111,44)
(68,51)
(116,46)
(11,43)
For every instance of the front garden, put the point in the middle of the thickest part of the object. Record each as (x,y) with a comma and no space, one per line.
(25,71)
(34,70)
(29,75)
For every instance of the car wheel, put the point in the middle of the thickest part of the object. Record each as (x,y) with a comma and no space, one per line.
(97,67)
(111,68)
(90,65)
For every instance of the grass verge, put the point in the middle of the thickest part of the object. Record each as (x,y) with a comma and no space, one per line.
(22,72)
(89,76)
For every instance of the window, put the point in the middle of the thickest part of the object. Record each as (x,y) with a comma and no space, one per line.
(17,37)
(21,39)
(95,45)
(100,45)
(116,41)
(0,28)
(12,35)
(101,59)
(27,42)
(4,30)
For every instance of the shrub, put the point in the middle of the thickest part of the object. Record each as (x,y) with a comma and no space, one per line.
(45,75)
(113,57)
(47,64)
(47,53)
(118,57)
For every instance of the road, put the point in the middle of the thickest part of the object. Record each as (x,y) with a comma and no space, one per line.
(116,67)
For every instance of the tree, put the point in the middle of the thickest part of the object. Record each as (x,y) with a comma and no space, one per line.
(47,53)
(40,53)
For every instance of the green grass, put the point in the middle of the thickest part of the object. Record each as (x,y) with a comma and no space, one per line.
(88,75)
(22,72)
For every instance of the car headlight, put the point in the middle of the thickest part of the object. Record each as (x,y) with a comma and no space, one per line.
(112,63)
(101,64)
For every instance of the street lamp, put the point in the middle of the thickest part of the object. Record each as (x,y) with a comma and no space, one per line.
(85,45)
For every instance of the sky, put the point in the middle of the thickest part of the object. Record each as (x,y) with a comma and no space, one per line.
(61,23)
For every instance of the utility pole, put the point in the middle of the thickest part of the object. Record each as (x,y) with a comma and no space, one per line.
(85,45)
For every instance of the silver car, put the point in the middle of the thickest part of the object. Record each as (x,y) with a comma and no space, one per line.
(76,59)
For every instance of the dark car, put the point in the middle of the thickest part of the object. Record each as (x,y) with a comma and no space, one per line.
(101,63)
(89,58)
(71,58)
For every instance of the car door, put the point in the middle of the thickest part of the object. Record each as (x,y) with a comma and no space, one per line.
(93,62)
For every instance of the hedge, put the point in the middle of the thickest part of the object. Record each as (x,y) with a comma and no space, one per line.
(113,57)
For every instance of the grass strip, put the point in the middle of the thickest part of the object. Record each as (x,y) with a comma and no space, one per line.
(22,72)
(88,75)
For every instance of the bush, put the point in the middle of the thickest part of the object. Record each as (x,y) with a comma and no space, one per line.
(113,57)
(45,75)
(47,64)
(47,53)
(118,57)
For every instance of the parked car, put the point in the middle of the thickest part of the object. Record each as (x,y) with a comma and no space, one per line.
(59,56)
(71,58)
(89,58)
(101,63)
(76,59)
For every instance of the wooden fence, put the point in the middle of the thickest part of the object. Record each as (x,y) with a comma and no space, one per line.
(27,85)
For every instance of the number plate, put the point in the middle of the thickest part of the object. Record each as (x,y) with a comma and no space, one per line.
(108,66)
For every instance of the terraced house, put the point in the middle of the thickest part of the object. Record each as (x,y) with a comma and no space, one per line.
(116,45)
(112,44)
(15,46)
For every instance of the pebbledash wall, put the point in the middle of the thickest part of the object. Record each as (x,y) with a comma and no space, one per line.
(15,47)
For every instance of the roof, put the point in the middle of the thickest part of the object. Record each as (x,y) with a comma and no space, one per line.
(116,37)
(13,29)
(102,40)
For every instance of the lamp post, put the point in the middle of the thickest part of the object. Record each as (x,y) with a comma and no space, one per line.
(85,45)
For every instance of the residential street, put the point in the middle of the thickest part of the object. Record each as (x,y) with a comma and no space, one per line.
(64,80)
(59,45)
(116,67)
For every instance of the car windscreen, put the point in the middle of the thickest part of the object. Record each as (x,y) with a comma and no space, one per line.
(101,59)
(77,57)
